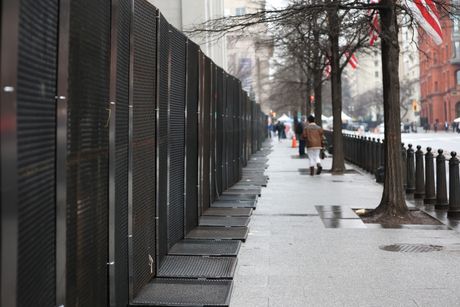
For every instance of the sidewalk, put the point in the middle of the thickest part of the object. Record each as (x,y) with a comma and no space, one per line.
(291,259)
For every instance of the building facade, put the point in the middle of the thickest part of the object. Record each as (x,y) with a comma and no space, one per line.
(440,75)
(249,53)
(409,74)
(185,14)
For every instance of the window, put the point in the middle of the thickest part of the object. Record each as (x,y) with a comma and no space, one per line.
(240,11)
(457,49)
(458,77)
(376,74)
(376,63)
(435,86)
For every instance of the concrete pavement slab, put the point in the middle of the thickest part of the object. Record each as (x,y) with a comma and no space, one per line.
(291,259)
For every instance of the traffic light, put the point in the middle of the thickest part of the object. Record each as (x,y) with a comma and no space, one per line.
(414,105)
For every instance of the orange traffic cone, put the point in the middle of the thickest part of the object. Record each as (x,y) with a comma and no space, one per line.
(294,142)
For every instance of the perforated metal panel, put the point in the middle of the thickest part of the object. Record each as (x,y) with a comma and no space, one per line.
(87,161)
(224,133)
(206,248)
(219,129)
(121,154)
(36,145)
(143,142)
(177,292)
(234,204)
(229,131)
(236,132)
(198,267)
(224,221)
(163,105)
(206,126)
(192,137)
(176,137)
(228,212)
(219,233)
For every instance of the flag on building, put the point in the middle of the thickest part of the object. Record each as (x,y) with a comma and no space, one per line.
(327,69)
(427,16)
(375,24)
(352,60)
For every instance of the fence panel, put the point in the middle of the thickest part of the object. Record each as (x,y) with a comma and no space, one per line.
(36,152)
(143,142)
(176,138)
(163,137)
(192,137)
(87,155)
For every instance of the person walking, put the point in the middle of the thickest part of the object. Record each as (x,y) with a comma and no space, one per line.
(280,129)
(298,129)
(313,136)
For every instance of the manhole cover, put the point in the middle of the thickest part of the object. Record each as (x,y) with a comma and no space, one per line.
(411,248)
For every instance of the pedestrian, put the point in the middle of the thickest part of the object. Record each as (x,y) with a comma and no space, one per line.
(436,125)
(280,129)
(313,136)
(283,130)
(298,129)
(446,126)
(454,126)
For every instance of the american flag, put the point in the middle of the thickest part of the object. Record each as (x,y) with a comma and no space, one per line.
(352,60)
(327,69)
(427,16)
(375,24)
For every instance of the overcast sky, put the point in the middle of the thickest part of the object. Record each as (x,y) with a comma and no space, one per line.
(276,3)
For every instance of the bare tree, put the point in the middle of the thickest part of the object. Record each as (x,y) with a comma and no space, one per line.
(392,206)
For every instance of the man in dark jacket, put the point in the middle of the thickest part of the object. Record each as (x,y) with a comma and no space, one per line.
(313,136)
(298,129)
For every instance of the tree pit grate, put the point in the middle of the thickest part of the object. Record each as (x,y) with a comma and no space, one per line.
(411,248)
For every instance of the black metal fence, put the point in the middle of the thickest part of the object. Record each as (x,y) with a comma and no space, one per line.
(116,133)
(429,176)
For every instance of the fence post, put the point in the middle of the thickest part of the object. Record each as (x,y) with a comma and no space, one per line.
(355,142)
(454,187)
(374,155)
(368,153)
(430,195)
(442,203)
(404,163)
(410,171)
(419,174)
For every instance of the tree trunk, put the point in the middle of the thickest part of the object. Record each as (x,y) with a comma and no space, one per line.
(318,75)
(393,203)
(338,160)
(307,100)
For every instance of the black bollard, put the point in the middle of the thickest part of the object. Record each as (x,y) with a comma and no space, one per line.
(403,164)
(361,152)
(366,153)
(410,171)
(419,174)
(430,194)
(442,203)
(454,187)
(374,156)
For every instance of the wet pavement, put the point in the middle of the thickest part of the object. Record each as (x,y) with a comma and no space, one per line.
(306,246)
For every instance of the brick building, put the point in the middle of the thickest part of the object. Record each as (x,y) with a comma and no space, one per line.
(440,75)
